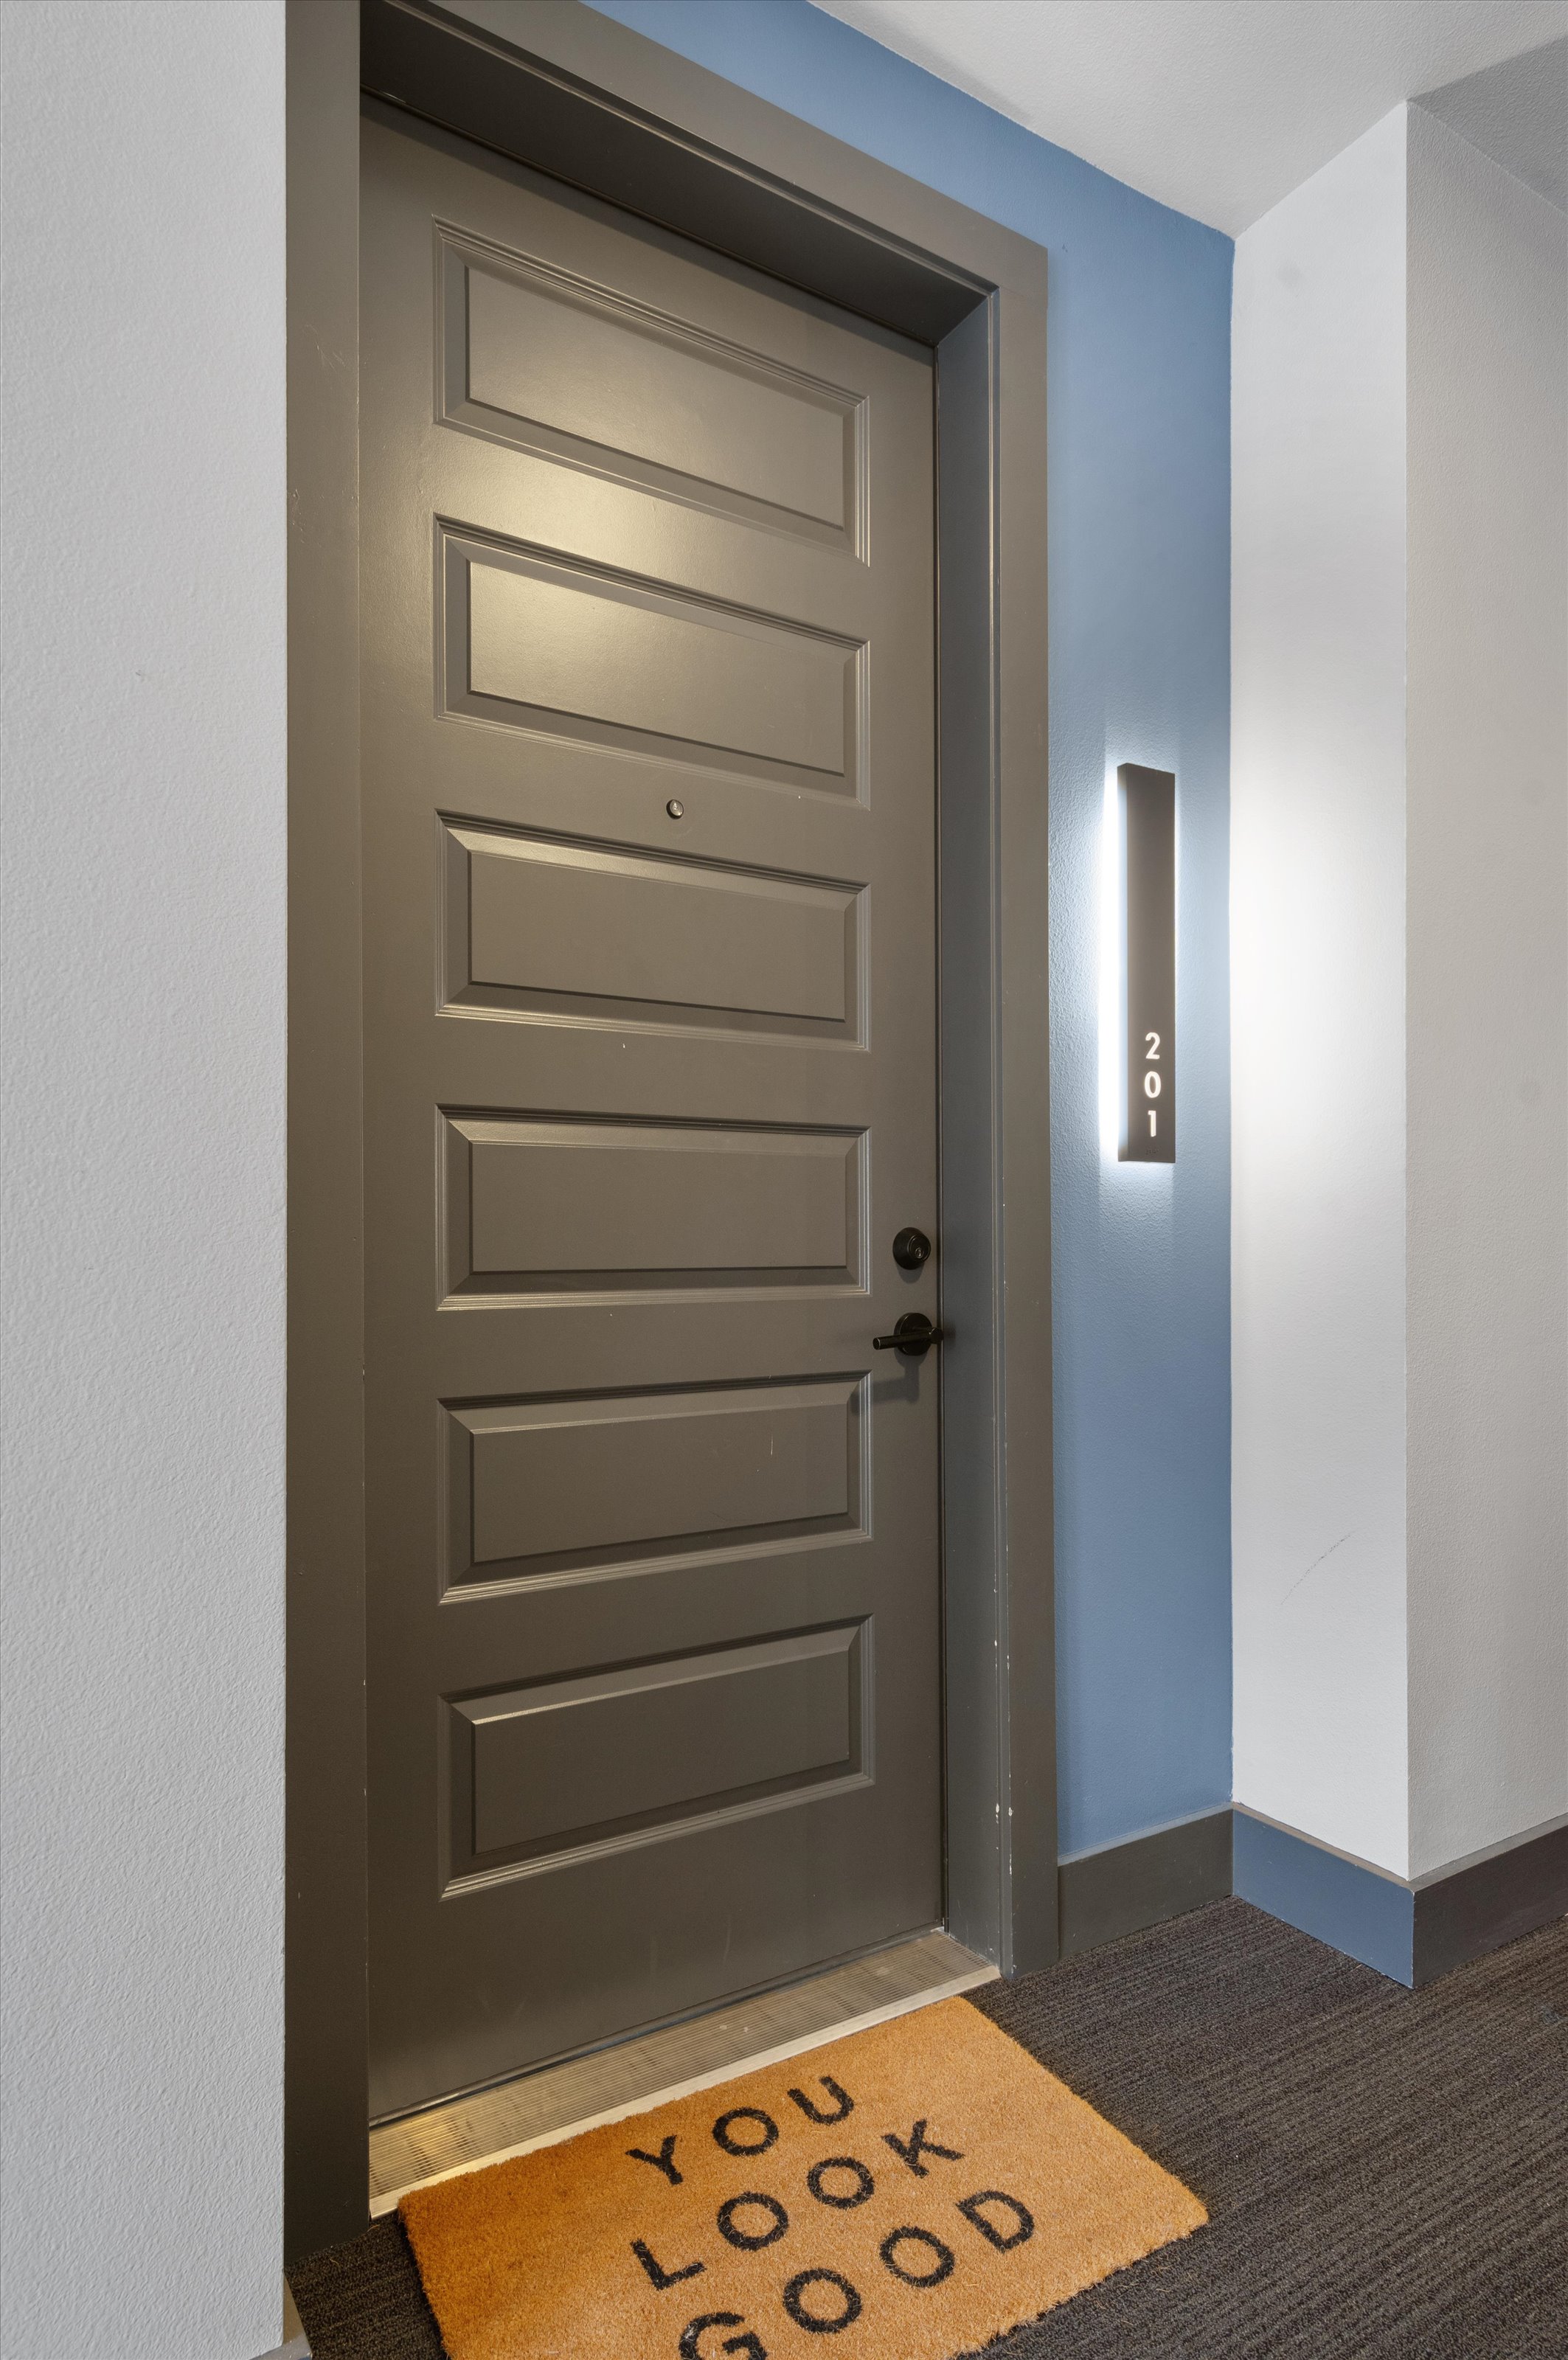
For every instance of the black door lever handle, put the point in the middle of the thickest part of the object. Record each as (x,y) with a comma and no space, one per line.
(913,1334)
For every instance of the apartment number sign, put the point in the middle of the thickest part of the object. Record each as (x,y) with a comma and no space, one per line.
(1147,813)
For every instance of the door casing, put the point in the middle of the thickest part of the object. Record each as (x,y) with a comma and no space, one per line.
(577,96)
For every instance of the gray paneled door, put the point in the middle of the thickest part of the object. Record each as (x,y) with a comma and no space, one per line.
(650,1088)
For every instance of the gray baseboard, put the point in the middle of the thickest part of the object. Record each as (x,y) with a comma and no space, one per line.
(1412,1930)
(1477,1906)
(1120,1888)
(295,2344)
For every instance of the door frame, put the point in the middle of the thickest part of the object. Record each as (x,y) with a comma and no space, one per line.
(556,86)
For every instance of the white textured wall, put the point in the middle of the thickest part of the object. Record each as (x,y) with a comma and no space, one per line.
(1400,993)
(143,921)
(1487,954)
(1317,1001)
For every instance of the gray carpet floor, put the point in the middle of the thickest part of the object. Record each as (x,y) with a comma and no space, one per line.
(1386,2171)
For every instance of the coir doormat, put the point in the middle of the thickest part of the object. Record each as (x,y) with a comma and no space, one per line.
(908,2193)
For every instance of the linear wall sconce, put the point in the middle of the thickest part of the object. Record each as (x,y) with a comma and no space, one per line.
(1147,814)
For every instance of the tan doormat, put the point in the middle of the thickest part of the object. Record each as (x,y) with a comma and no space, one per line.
(911,2193)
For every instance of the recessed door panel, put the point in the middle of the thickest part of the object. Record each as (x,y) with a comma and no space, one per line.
(574,1762)
(650,1088)
(538,1484)
(614,383)
(552,1204)
(538,643)
(535,924)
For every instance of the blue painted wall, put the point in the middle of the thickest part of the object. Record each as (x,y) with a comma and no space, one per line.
(1139,498)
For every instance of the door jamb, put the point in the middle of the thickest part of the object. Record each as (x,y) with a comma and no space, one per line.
(326,2033)
(574,94)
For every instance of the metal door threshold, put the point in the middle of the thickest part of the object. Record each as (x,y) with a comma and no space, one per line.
(545,2107)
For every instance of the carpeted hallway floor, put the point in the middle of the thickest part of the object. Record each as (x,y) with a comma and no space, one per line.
(1386,2171)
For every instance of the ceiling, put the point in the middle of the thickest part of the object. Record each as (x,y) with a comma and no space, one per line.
(1519,113)
(1221,107)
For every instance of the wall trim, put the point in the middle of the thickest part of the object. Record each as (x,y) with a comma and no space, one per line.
(1477,1905)
(1413,1930)
(296,2344)
(1120,1888)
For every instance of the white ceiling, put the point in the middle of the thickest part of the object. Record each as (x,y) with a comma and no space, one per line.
(1519,113)
(1218,107)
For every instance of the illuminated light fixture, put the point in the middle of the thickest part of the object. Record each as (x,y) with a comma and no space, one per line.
(1146,803)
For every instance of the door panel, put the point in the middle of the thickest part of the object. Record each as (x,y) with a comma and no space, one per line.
(537,1485)
(533,923)
(650,1086)
(536,358)
(532,643)
(584,647)
(568,1757)
(539,1204)
(606,373)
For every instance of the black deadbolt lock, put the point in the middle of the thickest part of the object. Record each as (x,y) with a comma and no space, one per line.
(912,1250)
